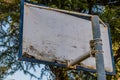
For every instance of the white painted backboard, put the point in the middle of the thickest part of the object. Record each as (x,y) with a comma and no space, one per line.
(53,36)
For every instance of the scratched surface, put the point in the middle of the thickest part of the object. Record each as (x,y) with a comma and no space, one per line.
(59,37)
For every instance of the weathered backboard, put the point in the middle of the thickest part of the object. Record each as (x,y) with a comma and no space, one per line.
(58,37)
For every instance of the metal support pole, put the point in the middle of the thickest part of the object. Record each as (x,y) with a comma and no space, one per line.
(79,59)
(101,75)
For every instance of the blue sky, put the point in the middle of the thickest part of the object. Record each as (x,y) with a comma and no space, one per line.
(19,75)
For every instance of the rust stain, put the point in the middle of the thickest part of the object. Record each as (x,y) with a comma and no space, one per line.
(108,69)
(89,67)
(31,47)
(25,54)
(47,54)
(32,52)
(74,46)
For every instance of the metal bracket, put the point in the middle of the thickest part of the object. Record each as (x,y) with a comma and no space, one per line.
(93,51)
(71,66)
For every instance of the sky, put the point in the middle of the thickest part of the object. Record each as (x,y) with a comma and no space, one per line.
(19,75)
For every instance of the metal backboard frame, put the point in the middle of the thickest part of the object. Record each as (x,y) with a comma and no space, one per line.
(53,63)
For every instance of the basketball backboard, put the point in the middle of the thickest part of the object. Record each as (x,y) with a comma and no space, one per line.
(58,37)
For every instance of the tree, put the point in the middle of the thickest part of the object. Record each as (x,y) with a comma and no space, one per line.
(111,15)
(9,39)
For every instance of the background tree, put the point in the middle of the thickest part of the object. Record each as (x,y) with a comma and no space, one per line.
(111,15)
(9,36)
(9,40)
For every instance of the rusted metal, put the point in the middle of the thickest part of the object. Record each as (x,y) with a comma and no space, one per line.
(53,35)
(78,60)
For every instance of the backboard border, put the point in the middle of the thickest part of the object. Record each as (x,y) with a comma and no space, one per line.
(21,28)
(20,57)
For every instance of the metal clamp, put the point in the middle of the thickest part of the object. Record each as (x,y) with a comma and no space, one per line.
(92,46)
(95,41)
(71,66)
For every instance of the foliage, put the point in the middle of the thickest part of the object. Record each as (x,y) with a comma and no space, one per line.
(9,40)
(76,5)
(111,15)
